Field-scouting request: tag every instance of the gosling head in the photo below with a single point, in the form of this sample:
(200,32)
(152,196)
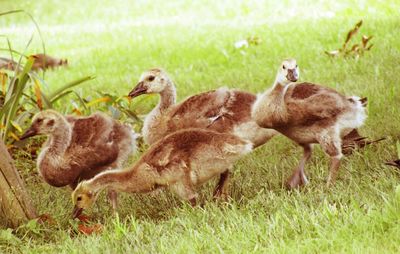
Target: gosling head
(288,72)
(44,122)
(82,198)
(151,81)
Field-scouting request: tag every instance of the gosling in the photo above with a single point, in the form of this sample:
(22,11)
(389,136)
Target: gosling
(308,113)
(179,162)
(78,148)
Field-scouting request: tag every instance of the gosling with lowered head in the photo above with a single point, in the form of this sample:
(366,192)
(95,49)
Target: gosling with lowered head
(180,162)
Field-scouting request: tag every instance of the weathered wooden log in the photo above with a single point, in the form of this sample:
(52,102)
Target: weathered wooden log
(15,203)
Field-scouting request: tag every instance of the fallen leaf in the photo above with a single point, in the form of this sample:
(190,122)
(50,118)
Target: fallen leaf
(88,230)
(84,218)
(46,218)
(332,53)
(354,140)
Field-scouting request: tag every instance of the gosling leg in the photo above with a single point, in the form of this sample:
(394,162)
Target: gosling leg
(331,143)
(112,197)
(334,169)
(298,177)
(220,191)
(184,189)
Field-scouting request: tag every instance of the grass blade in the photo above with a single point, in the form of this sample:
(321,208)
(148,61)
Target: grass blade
(19,85)
(56,93)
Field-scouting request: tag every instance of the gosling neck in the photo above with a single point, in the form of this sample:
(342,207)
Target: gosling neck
(167,97)
(60,139)
(279,89)
(121,180)
(279,85)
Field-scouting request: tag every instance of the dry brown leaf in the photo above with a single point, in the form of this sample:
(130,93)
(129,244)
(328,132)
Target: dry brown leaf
(84,218)
(355,48)
(365,39)
(352,32)
(46,218)
(38,93)
(332,53)
(88,230)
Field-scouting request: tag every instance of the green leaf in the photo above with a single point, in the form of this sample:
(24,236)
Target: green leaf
(62,89)
(7,237)
(19,85)
(6,106)
(65,93)
(10,12)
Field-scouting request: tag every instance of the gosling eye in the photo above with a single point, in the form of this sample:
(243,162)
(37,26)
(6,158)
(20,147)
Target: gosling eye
(79,198)
(50,122)
(151,78)
(283,67)
(296,65)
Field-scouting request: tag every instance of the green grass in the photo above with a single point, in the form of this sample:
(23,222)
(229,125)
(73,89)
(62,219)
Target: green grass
(117,40)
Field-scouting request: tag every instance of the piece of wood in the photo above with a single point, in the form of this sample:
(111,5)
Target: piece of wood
(15,204)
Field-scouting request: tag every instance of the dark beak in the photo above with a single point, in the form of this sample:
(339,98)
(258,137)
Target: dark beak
(76,212)
(138,90)
(395,163)
(29,133)
(292,75)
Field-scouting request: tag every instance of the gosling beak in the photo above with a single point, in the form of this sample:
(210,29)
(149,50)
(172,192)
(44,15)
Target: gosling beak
(395,163)
(292,75)
(76,212)
(138,90)
(29,133)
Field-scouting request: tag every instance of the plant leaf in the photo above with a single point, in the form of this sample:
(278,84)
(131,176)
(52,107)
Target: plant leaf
(10,12)
(16,126)
(68,86)
(365,39)
(4,78)
(19,85)
(332,53)
(99,100)
(13,135)
(352,32)
(7,237)
(355,48)
(38,93)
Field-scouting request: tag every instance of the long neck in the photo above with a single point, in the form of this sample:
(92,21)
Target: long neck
(270,109)
(167,97)
(123,180)
(278,86)
(60,139)
(278,91)
(153,123)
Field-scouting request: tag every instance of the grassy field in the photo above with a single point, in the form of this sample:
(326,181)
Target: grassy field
(194,42)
